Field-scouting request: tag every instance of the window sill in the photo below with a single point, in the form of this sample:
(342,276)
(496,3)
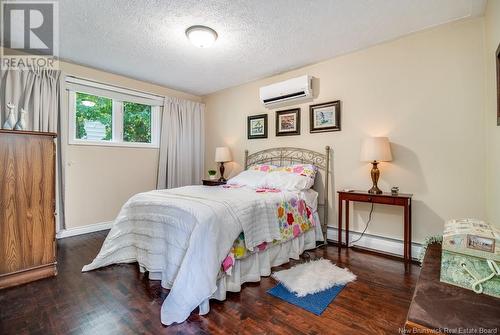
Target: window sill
(114,144)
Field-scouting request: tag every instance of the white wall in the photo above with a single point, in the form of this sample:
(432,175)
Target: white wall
(98,179)
(424,91)
(492,41)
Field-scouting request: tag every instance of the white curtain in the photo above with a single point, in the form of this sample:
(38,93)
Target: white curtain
(182,144)
(35,90)
(38,91)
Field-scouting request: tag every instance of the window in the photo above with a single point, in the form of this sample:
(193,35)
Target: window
(136,122)
(110,118)
(94,117)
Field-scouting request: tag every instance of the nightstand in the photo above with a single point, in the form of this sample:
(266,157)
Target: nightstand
(210,182)
(400,199)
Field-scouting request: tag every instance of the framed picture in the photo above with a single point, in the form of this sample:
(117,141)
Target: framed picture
(498,85)
(324,117)
(257,126)
(288,122)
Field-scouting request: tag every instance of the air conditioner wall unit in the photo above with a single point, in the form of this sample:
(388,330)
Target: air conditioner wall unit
(287,92)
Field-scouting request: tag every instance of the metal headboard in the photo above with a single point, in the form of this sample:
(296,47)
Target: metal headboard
(286,156)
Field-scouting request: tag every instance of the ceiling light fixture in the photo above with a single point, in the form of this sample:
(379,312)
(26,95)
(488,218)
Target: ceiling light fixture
(201,36)
(88,103)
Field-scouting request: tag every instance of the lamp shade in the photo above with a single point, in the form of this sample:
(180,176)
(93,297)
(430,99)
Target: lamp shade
(376,149)
(222,154)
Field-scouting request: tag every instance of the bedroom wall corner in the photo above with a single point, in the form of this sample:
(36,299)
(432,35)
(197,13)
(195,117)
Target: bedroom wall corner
(424,91)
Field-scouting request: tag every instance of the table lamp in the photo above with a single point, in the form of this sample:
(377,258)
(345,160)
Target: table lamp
(376,150)
(222,155)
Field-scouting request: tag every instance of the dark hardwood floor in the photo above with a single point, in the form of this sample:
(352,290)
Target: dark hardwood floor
(120,300)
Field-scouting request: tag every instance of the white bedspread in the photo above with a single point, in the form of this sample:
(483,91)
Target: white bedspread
(185,233)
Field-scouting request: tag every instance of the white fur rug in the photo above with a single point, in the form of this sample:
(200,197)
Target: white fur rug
(313,277)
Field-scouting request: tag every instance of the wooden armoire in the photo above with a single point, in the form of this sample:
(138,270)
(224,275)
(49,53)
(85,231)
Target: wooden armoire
(27,206)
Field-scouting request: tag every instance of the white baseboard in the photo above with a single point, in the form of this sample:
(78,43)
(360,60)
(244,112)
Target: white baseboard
(378,243)
(84,229)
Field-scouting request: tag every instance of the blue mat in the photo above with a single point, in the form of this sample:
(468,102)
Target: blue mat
(315,303)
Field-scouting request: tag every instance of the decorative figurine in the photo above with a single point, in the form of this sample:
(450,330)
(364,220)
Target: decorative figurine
(21,124)
(11,119)
(395,190)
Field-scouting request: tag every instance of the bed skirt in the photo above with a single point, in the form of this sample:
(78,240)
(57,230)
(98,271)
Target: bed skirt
(257,265)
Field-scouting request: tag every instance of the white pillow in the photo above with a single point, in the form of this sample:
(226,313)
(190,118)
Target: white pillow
(251,178)
(285,181)
(296,177)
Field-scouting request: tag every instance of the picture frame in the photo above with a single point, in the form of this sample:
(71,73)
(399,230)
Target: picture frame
(480,243)
(498,84)
(257,126)
(324,117)
(288,122)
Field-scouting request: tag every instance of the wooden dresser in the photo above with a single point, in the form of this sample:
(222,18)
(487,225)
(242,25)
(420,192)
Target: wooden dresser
(27,207)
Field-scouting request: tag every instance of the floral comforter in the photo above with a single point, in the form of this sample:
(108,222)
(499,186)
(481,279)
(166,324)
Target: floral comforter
(294,217)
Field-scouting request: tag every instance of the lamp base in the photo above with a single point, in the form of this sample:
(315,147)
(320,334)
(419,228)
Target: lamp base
(375,190)
(221,170)
(375,173)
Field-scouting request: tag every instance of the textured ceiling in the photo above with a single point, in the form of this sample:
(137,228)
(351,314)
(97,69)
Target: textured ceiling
(144,39)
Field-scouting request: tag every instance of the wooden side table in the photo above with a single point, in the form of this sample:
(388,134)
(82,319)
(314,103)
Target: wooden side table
(210,182)
(400,199)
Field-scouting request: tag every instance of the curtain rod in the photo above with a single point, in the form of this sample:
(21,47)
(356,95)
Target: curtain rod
(78,80)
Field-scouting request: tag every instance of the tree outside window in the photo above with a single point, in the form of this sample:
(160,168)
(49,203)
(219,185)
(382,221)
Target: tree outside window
(136,122)
(94,120)
(91,111)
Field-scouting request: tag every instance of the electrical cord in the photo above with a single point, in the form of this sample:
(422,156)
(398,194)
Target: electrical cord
(367,223)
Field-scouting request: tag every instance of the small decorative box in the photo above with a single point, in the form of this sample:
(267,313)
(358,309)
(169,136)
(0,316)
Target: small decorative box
(471,256)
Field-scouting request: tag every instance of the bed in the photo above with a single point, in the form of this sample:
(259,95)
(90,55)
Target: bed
(203,241)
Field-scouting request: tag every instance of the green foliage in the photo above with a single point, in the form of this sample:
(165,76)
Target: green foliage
(102,112)
(136,118)
(136,122)
(212,172)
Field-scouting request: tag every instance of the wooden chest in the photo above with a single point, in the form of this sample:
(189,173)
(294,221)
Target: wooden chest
(439,308)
